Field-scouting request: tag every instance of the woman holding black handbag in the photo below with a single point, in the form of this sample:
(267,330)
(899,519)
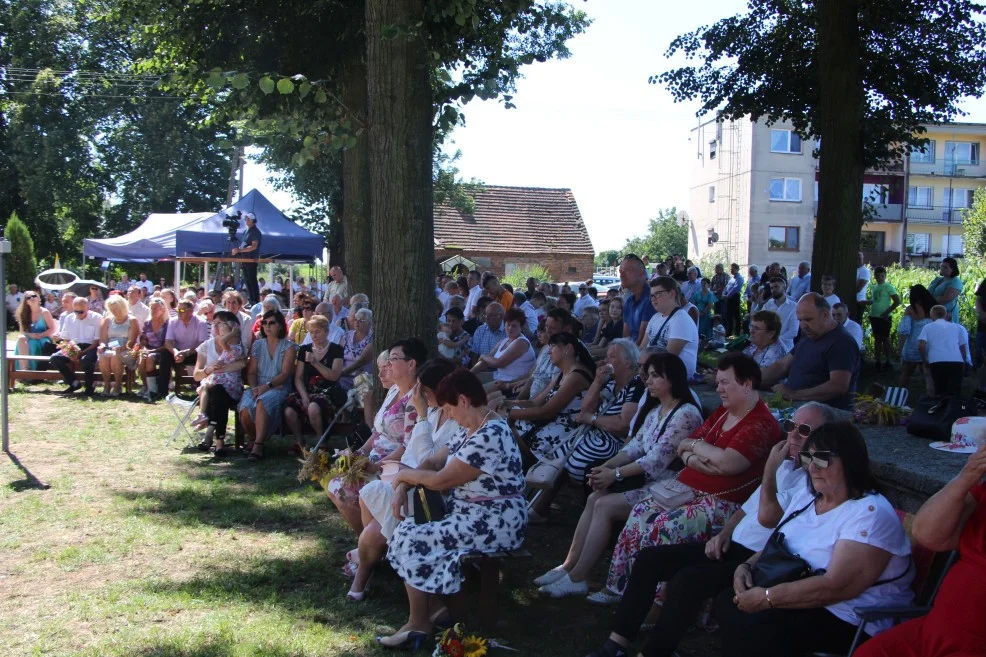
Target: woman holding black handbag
(667,417)
(840,546)
(484,511)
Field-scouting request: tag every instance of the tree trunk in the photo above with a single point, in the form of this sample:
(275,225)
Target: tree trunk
(356,226)
(400,131)
(841,162)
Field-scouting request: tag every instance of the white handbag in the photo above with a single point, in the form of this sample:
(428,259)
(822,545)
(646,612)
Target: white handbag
(545,473)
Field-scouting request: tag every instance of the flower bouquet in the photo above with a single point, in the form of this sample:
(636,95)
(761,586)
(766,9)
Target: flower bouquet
(454,642)
(362,384)
(871,410)
(317,465)
(69,349)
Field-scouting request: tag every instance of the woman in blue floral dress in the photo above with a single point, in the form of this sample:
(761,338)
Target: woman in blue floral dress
(485,508)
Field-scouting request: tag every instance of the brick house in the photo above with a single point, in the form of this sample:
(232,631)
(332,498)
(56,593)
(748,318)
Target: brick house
(514,227)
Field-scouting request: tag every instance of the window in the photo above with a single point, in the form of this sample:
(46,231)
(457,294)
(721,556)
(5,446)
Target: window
(785,141)
(876,194)
(961,152)
(572,270)
(918,242)
(873,240)
(920,197)
(952,245)
(712,193)
(785,238)
(927,157)
(785,189)
(958,198)
(713,147)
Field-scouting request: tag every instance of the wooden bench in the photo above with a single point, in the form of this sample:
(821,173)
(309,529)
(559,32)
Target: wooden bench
(485,567)
(14,374)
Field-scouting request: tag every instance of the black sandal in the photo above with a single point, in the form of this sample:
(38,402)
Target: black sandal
(254,456)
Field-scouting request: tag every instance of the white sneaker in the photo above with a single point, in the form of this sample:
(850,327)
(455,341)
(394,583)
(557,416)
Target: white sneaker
(604,597)
(564,586)
(551,576)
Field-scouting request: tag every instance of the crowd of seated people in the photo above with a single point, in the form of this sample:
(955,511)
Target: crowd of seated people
(605,383)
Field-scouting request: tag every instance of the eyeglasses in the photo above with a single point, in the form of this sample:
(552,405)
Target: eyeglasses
(270,322)
(312,308)
(391,359)
(80,312)
(658,293)
(820,459)
(804,430)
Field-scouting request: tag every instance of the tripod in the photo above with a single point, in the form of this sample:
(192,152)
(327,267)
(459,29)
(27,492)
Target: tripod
(221,266)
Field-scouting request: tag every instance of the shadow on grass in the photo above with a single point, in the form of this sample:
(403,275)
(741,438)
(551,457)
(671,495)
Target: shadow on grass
(215,648)
(29,482)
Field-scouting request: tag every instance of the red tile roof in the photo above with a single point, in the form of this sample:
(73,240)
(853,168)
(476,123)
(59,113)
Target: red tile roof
(515,220)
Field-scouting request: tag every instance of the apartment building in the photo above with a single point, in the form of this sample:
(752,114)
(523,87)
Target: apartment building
(754,194)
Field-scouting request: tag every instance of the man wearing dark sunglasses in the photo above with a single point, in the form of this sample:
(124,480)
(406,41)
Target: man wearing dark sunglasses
(694,573)
(82,328)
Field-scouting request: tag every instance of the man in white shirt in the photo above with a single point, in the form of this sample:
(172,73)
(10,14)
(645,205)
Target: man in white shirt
(14,298)
(338,309)
(862,282)
(475,291)
(782,304)
(530,313)
(338,285)
(671,329)
(137,307)
(144,284)
(801,283)
(82,328)
(587,297)
(840,313)
(944,352)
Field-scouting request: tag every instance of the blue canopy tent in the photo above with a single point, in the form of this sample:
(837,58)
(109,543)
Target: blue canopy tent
(201,237)
(283,240)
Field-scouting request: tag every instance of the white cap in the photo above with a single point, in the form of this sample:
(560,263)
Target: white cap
(251,216)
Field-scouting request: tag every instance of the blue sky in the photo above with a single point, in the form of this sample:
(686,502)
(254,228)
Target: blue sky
(593,124)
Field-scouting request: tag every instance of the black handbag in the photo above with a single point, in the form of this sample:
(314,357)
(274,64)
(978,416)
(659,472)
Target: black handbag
(932,417)
(777,564)
(428,505)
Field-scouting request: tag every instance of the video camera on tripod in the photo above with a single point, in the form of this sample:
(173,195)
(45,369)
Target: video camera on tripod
(232,222)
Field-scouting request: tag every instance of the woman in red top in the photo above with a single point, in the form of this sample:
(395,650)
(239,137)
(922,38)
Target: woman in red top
(724,459)
(955,518)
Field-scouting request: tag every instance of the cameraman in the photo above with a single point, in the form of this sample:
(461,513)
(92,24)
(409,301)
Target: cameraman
(251,249)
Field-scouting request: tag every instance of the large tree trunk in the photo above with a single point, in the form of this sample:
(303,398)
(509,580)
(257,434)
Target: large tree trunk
(840,117)
(356,227)
(399,95)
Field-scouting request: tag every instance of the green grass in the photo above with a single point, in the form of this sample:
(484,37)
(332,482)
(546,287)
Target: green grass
(114,544)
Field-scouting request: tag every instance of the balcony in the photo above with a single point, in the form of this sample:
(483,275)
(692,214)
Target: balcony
(936,215)
(949,168)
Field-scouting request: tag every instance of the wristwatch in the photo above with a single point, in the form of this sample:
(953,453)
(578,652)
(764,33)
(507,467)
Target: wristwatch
(619,475)
(593,420)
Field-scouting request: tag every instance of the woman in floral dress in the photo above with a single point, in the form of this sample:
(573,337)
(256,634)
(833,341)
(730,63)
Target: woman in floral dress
(667,417)
(724,460)
(386,443)
(485,508)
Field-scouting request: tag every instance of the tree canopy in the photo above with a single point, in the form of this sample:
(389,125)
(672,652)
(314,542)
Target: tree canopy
(665,236)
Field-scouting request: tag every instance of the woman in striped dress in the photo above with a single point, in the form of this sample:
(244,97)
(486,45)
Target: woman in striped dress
(607,408)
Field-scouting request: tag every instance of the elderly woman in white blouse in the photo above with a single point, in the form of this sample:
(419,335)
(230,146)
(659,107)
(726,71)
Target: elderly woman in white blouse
(431,433)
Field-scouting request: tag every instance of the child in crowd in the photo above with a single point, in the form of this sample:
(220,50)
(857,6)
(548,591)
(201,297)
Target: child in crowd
(453,341)
(828,290)
(718,340)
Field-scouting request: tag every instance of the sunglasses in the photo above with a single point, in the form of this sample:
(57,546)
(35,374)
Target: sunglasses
(80,312)
(271,322)
(820,459)
(182,311)
(804,430)
(312,308)
(28,297)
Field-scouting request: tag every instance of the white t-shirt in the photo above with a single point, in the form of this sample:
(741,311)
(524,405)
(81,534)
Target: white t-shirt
(208,349)
(856,331)
(141,312)
(833,299)
(870,520)
(13,301)
(789,319)
(964,339)
(942,340)
(862,274)
(749,532)
(679,327)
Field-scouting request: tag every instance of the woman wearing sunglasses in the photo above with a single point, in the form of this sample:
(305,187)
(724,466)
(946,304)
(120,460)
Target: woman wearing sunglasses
(37,326)
(849,535)
(95,299)
(269,374)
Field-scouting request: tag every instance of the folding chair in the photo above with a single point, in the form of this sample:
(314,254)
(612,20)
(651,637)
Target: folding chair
(182,410)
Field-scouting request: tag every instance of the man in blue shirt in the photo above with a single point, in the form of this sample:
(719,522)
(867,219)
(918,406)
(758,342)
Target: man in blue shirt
(800,284)
(733,319)
(637,308)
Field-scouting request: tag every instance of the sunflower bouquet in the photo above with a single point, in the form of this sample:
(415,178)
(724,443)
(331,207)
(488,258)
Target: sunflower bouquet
(316,466)
(69,349)
(350,467)
(454,642)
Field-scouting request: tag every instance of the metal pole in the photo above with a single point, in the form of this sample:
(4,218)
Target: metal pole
(903,210)
(4,250)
